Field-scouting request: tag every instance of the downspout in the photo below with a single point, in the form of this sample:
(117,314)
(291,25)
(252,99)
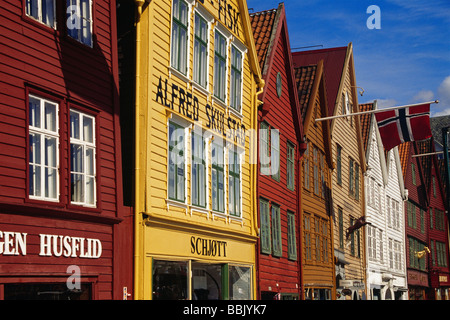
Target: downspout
(137,169)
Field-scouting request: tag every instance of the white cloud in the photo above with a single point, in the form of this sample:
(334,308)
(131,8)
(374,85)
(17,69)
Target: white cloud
(386,103)
(444,91)
(423,96)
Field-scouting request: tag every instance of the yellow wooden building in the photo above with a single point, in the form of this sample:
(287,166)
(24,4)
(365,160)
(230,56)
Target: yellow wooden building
(197,80)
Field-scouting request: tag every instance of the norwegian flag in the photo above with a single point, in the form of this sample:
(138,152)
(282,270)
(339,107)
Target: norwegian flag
(402,125)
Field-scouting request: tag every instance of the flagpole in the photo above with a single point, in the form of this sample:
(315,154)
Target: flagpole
(375,111)
(426,154)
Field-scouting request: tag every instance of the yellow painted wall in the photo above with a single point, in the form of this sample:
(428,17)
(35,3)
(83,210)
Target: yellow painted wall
(163,226)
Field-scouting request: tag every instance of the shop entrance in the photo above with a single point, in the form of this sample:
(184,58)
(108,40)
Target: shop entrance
(208,281)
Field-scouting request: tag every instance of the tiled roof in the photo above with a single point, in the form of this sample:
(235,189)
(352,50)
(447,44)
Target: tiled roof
(333,64)
(262,25)
(365,120)
(304,76)
(403,151)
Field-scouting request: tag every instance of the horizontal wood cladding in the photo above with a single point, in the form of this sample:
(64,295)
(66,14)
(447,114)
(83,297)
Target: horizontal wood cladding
(47,62)
(33,264)
(280,274)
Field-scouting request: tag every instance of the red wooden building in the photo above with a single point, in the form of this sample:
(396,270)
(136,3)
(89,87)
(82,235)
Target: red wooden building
(426,224)
(280,149)
(436,225)
(64,232)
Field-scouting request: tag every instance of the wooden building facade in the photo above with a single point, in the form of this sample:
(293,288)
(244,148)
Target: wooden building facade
(349,163)
(64,232)
(280,148)
(197,79)
(318,279)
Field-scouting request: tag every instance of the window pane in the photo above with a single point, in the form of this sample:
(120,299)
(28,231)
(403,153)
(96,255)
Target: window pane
(77,187)
(48,11)
(90,190)
(240,283)
(171,175)
(76,160)
(35,112)
(175,49)
(51,183)
(32,8)
(74,125)
(50,116)
(170,281)
(183,48)
(88,130)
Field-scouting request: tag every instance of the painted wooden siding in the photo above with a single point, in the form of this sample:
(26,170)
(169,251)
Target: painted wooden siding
(345,133)
(40,60)
(281,270)
(316,274)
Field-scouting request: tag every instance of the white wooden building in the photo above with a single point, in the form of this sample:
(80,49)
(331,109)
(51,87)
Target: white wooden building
(384,200)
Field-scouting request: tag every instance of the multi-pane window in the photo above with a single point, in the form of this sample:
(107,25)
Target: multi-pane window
(355,244)
(276,231)
(79,20)
(307,232)
(306,167)
(176,162)
(316,170)
(200,50)
(82,158)
(341,228)
(264,215)
(395,255)
(441,254)
(322,174)
(413,173)
(351,186)
(43,156)
(416,246)
(411,215)
(217,177)
(236,79)
(357,182)
(440,219)
(42,10)
(198,168)
(220,61)
(264,148)
(275,153)
(178,58)
(292,242)
(422,221)
(339,164)
(234,184)
(290,166)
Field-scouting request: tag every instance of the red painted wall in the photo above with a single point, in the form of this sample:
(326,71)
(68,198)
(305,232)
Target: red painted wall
(279,274)
(38,59)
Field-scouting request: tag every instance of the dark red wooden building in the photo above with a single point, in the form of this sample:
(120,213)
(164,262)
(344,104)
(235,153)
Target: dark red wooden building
(64,232)
(280,148)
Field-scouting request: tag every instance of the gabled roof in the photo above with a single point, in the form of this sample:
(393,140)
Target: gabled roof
(333,62)
(270,27)
(305,77)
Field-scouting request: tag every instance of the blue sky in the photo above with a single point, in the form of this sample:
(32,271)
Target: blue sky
(406,61)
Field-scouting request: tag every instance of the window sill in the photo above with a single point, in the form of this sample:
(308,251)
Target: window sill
(178,74)
(235,113)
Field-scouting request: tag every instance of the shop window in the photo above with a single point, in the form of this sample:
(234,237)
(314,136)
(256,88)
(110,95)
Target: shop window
(46,291)
(44,154)
(234,184)
(198,168)
(206,281)
(79,23)
(42,10)
(179,50)
(240,282)
(82,159)
(217,177)
(170,280)
(176,162)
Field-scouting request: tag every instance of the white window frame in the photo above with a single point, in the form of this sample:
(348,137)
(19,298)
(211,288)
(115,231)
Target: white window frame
(205,15)
(79,17)
(240,155)
(44,133)
(173,69)
(184,126)
(192,163)
(40,17)
(85,145)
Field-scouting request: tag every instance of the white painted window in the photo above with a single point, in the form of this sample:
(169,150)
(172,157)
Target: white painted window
(79,20)
(44,153)
(42,10)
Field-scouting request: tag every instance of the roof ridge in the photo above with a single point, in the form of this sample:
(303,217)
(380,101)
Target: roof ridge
(263,11)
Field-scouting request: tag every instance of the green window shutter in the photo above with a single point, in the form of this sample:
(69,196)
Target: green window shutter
(266,245)
(276,231)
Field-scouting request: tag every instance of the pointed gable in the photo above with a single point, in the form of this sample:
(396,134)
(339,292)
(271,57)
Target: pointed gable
(305,77)
(366,120)
(333,62)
